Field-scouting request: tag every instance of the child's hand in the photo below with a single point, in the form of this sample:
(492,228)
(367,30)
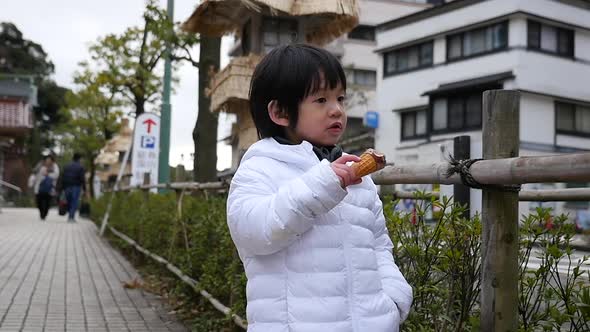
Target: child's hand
(346,173)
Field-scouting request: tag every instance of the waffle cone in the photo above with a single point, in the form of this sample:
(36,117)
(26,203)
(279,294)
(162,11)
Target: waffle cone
(371,161)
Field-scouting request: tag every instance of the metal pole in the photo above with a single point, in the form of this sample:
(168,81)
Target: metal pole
(163,168)
(499,276)
(462,151)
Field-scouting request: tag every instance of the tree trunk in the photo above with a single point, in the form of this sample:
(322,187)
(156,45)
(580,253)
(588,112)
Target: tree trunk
(205,132)
(34,144)
(89,158)
(139,106)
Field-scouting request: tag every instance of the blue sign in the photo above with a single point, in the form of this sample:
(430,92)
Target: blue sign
(148,142)
(372,119)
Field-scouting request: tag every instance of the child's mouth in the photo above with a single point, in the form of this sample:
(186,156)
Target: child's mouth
(335,128)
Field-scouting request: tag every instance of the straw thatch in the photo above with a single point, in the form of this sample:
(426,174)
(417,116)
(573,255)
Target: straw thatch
(231,85)
(107,158)
(330,18)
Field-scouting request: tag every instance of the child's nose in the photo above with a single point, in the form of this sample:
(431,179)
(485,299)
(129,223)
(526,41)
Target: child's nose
(336,110)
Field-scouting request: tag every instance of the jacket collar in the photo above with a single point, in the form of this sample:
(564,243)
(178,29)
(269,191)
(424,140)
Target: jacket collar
(322,152)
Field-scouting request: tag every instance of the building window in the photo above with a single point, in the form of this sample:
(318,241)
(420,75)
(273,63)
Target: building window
(362,32)
(278,31)
(572,119)
(547,38)
(408,58)
(361,77)
(455,113)
(413,124)
(478,41)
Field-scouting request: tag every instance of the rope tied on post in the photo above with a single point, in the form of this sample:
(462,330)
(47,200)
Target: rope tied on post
(462,167)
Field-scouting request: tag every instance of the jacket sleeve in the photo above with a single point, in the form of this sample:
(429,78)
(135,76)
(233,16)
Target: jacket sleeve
(263,220)
(394,283)
(55,173)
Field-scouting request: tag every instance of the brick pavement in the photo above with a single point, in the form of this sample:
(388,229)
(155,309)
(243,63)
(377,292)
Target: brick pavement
(56,276)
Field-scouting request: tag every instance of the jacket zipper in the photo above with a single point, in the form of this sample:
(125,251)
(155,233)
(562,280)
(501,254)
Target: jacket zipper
(347,249)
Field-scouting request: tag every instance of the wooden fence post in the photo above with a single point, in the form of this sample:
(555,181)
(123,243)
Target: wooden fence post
(461,193)
(499,286)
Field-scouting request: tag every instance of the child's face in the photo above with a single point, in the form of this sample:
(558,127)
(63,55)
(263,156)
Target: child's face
(322,119)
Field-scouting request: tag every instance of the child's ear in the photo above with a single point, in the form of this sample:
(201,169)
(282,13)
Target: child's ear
(276,114)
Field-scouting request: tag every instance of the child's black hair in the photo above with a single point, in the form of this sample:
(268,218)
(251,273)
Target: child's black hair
(288,74)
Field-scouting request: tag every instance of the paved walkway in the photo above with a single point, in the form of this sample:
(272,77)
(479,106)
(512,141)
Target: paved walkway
(56,276)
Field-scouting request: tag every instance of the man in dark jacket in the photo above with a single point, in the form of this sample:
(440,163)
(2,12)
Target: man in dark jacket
(73,183)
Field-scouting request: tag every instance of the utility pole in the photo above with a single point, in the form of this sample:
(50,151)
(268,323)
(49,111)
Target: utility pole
(163,168)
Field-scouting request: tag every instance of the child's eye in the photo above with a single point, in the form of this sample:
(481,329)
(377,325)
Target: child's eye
(321,100)
(342,99)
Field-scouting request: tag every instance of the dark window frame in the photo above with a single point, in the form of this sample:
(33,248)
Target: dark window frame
(574,132)
(486,52)
(360,30)
(398,51)
(279,20)
(404,137)
(354,72)
(558,35)
(464,95)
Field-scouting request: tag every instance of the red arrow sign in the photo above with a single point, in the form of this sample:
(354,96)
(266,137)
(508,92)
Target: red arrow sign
(150,123)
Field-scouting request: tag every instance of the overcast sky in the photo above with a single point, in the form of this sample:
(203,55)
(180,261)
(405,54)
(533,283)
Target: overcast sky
(65,29)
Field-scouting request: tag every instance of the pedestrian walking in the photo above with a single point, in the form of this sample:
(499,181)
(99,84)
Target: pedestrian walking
(44,185)
(73,183)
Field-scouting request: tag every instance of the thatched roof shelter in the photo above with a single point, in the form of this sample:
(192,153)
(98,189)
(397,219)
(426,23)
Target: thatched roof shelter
(328,19)
(231,84)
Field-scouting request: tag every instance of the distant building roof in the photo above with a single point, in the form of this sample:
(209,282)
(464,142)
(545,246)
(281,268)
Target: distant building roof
(470,83)
(427,13)
(454,5)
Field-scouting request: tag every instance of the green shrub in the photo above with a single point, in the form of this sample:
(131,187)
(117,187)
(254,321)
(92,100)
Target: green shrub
(439,258)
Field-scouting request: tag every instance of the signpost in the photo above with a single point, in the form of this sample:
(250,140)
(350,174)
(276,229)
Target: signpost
(371,119)
(146,149)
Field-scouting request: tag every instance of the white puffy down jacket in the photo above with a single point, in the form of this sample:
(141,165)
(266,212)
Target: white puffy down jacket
(317,257)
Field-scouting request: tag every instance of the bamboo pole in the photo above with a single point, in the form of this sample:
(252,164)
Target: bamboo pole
(553,195)
(558,195)
(573,167)
(178,186)
(188,280)
(499,286)
(105,218)
(427,195)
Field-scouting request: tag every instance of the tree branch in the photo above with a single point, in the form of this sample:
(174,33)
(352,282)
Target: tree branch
(143,41)
(185,58)
(154,62)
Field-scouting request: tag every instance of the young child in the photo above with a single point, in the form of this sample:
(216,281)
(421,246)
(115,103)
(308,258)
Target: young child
(310,233)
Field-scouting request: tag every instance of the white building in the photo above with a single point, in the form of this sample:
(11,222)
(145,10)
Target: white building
(435,64)
(356,51)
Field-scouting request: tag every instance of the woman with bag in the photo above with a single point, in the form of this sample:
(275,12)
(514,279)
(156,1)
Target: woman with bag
(45,182)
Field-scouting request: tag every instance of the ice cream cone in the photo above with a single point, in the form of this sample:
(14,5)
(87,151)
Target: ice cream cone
(371,161)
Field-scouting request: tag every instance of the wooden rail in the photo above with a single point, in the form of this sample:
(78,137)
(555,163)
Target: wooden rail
(555,195)
(190,186)
(188,280)
(573,167)
(552,195)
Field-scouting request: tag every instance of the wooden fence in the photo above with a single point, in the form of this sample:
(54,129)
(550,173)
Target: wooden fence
(501,167)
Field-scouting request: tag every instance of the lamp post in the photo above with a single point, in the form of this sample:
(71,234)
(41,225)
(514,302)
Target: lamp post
(163,168)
